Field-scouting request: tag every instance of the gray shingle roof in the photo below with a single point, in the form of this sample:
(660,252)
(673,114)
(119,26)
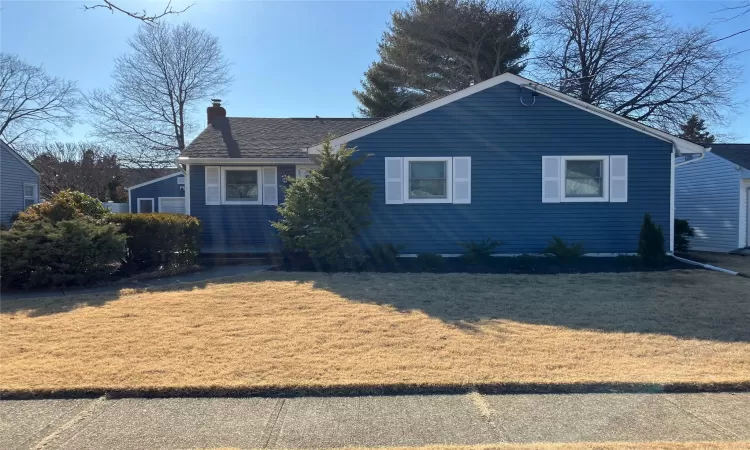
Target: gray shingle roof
(250,137)
(736,153)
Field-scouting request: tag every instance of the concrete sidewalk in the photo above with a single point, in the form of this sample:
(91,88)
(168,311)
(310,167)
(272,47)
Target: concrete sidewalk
(207,274)
(324,422)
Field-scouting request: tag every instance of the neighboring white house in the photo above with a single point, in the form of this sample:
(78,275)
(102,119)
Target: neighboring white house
(19,183)
(713,195)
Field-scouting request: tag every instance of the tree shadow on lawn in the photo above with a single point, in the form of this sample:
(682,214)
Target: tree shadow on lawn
(684,304)
(687,304)
(73,299)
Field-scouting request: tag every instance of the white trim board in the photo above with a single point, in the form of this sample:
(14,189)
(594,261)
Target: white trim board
(179,172)
(245,161)
(681,145)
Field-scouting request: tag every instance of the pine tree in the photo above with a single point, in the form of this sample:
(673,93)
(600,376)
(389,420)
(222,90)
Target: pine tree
(694,130)
(437,47)
(383,94)
(323,213)
(651,242)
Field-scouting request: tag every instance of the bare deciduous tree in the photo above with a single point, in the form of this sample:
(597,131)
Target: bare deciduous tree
(147,113)
(623,56)
(32,102)
(80,166)
(143,16)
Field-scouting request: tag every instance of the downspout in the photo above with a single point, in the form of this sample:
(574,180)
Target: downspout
(184,171)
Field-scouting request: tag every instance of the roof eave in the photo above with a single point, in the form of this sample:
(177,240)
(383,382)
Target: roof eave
(681,146)
(146,183)
(239,161)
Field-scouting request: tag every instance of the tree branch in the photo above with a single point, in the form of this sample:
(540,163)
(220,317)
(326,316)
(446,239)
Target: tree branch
(142,16)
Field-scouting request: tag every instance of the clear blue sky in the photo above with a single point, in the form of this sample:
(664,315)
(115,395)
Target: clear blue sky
(291,59)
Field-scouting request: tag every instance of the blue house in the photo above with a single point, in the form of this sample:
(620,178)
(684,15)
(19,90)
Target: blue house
(164,194)
(507,159)
(713,193)
(19,183)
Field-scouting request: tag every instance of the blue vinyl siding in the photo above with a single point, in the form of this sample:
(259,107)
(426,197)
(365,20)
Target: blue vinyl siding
(707,194)
(164,188)
(235,228)
(13,175)
(506,142)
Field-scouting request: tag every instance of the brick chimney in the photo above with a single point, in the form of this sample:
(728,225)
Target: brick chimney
(215,110)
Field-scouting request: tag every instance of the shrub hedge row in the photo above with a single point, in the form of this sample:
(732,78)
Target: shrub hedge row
(72,239)
(67,252)
(158,239)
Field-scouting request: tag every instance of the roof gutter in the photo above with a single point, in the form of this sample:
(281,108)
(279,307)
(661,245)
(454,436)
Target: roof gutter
(179,165)
(242,161)
(703,155)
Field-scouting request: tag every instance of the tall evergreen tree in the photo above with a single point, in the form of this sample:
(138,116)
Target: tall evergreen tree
(322,213)
(436,47)
(694,130)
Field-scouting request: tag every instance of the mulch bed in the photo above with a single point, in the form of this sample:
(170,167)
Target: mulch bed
(501,265)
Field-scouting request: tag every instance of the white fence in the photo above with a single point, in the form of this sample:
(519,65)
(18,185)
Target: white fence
(116,207)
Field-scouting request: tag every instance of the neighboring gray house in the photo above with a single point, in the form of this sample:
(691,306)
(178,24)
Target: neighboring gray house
(712,194)
(19,183)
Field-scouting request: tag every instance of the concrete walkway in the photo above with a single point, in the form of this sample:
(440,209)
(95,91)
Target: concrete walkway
(206,274)
(324,422)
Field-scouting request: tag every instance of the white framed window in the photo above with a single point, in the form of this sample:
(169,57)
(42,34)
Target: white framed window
(428,180)
(30,194)
(173,205)
(585,179)
(304,171)
(241,186)
(145,205)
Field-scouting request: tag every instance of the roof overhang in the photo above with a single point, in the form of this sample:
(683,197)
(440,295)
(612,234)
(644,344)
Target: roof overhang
(681,146)
(155,180)
(243,161)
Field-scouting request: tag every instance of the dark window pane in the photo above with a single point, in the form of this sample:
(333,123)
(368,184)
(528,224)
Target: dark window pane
(241,185)
(590,169)
(583,179)
(147,206)
(427,179)
(427,169)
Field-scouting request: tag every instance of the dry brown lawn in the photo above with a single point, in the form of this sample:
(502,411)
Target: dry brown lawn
(280,330)
(592,446)
(738,263)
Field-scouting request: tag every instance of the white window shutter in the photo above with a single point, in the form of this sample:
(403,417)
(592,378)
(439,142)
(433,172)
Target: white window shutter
(618,178)
(213,185)
(462,179)
(394,181)
(551,179)
(270,188)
